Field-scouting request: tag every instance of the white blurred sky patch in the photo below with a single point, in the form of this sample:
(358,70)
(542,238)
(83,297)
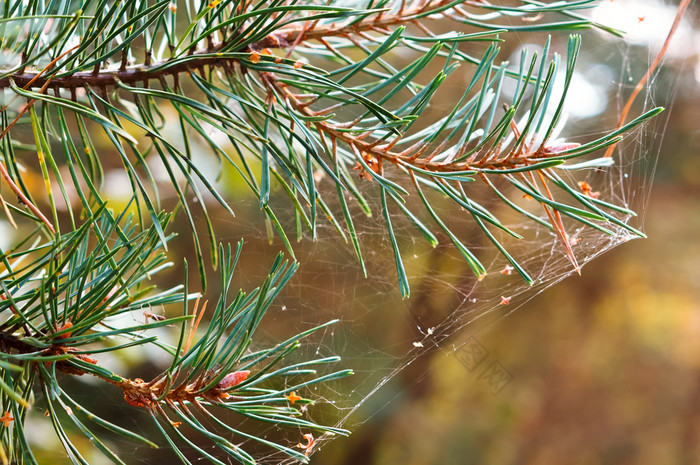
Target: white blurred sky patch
(647,23)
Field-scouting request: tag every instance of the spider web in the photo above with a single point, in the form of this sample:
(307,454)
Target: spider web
(381,336)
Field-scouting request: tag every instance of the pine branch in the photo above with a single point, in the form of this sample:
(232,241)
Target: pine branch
(235,47)
(65,323)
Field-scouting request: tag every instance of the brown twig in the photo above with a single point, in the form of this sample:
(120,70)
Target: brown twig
(623,116)
(101,78)
(381,152)
(137,392)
